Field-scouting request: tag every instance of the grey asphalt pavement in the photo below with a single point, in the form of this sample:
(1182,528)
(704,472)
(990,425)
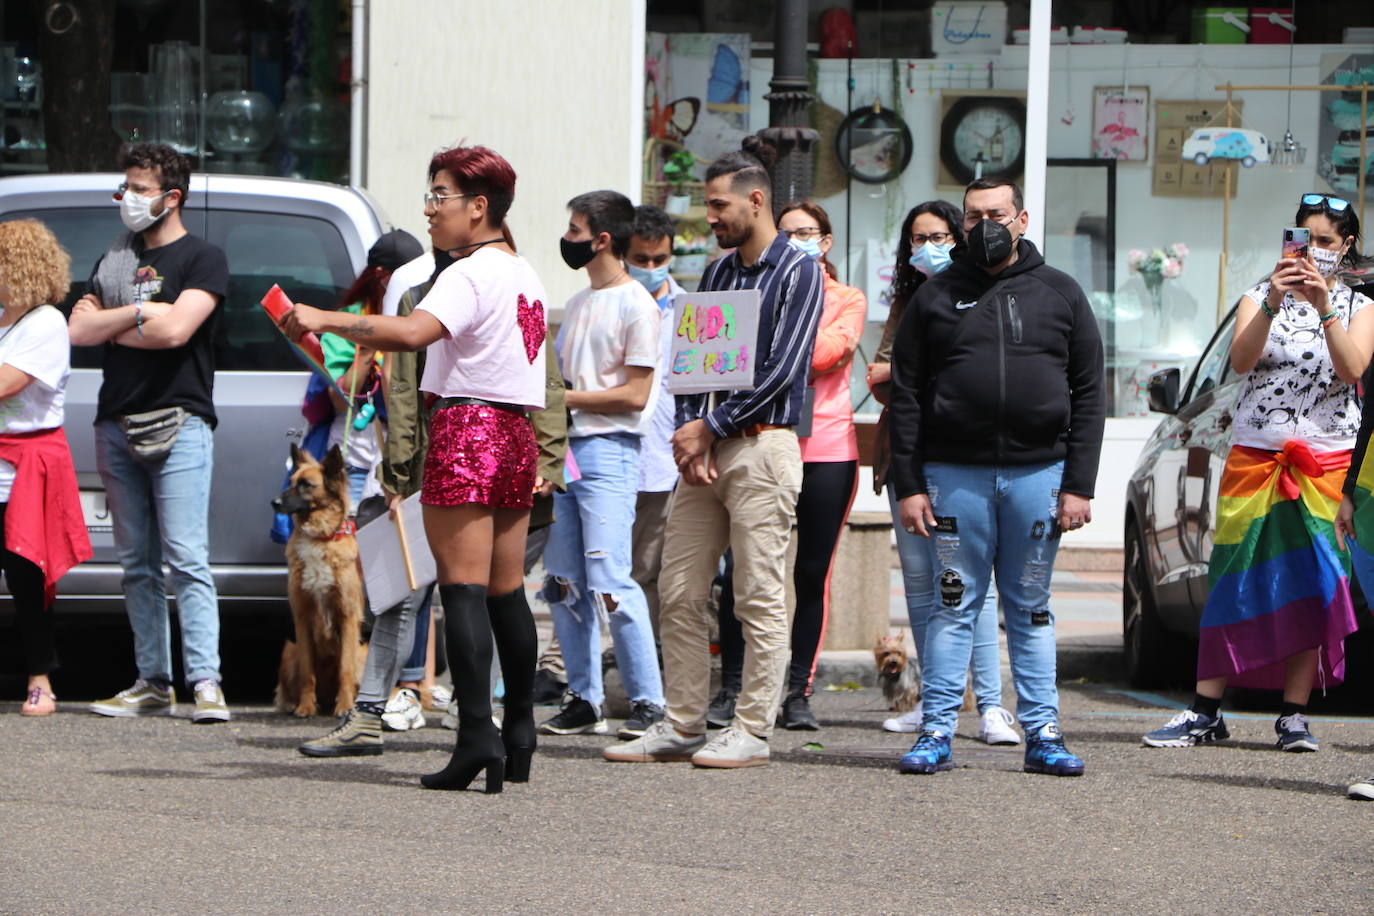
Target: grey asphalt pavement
(160,816)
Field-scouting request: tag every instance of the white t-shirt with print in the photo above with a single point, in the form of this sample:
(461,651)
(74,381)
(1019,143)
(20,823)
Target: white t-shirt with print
(36,344)
(1293,392)
(603,331)
(479,301)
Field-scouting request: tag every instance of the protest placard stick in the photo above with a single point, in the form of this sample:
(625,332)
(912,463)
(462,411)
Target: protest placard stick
(396,515)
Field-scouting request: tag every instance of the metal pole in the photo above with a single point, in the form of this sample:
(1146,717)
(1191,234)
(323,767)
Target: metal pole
(1037,118)
(358,97)
(1364,143)
(1222,305)
(787,99)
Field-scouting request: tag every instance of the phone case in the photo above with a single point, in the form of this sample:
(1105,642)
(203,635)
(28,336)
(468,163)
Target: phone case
(1295,243)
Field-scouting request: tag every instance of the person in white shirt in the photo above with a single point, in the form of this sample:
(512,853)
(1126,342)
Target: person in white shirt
(609,350)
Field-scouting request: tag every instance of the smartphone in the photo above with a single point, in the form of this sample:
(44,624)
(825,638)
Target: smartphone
(1295,243)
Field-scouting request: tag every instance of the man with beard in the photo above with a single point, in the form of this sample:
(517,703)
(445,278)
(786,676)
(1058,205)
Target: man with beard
(741,468)
(997,416)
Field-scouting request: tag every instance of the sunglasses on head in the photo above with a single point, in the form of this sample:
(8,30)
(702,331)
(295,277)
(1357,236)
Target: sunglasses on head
(1334,204)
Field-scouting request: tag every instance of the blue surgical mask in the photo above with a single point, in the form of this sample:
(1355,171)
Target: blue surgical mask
(652,278)
(930,259)
(811,247)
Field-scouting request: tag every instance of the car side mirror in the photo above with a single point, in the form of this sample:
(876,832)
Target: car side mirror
(1163,391)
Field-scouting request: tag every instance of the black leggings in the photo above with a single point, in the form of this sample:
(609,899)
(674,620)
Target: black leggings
(827,492)
(25,582)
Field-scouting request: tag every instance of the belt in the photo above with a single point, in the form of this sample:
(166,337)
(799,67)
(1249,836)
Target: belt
(441,403)
(754,429)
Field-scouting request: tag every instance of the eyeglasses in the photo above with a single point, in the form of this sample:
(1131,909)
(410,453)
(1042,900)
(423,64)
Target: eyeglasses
(1334,204)
(125,188)
(437,200)
(804,234)
(939,238)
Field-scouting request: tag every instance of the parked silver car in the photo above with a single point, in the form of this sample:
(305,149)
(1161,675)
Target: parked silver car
(309,237)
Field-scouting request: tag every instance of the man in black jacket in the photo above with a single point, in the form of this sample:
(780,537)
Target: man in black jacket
(997,414)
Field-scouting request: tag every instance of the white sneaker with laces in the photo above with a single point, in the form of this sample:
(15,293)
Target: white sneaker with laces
(997,727)
(906,722)
(403,711)
(439,698)
(660,743)
(734,747)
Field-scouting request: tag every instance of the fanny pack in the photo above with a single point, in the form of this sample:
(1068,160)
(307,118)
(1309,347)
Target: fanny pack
(152,434)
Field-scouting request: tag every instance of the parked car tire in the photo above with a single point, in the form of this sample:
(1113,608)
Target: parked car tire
(1145,642)
(1200,159)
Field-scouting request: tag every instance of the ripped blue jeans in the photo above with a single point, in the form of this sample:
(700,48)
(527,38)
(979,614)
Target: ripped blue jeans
(589,559)
(992,521)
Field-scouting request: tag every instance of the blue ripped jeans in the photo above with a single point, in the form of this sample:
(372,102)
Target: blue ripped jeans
(589,557)
(993,521)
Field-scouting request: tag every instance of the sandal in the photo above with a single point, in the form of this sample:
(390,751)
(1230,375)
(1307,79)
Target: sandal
(40,702)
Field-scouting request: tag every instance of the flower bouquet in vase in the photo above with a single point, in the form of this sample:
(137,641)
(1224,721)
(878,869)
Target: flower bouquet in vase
(1155,266)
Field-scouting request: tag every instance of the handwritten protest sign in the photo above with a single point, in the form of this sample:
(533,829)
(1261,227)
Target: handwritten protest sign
(715,341)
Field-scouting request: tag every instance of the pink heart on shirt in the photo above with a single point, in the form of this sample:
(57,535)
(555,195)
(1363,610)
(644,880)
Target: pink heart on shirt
(531,318)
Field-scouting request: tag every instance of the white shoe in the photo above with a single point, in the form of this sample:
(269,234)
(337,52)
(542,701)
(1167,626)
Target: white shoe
(733,747)
(450,719)
(996,727)
(403,711)
(660,743)
(906,722)
(439,698)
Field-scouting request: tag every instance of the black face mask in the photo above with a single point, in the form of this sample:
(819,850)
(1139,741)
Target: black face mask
(989,243)
(576,255)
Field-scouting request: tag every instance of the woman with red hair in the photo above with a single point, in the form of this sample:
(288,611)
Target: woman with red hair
(483,325)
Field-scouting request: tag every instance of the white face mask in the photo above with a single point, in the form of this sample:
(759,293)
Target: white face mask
(137,211)
(1325,259)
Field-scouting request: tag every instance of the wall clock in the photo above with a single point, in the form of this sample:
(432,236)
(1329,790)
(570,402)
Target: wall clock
(873,144)
(982,134)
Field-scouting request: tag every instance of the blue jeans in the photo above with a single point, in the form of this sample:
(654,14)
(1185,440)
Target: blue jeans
(160,511)
(588,559)
(996,521)
(918,581)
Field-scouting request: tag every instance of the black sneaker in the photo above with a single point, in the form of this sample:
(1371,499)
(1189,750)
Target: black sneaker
(577,717)
(642,715)
(548,690)
(1293,733)
(721,712)
(797,715)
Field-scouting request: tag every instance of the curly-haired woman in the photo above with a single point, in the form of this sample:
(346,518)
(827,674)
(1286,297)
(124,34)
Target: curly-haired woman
(44,533)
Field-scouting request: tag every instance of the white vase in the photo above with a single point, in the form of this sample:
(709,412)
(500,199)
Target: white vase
(677,204)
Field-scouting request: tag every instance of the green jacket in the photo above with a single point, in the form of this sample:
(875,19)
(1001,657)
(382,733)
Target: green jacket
(407,425)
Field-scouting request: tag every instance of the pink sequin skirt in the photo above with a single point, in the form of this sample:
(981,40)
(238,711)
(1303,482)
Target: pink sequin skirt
(479,454)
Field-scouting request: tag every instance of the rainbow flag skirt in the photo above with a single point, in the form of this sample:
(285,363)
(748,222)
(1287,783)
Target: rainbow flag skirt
(1278,585)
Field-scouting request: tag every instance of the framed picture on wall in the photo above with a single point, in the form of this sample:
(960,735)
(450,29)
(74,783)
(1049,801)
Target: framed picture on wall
(1121,123)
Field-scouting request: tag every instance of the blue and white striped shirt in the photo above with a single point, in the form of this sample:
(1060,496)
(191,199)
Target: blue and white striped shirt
(791,293)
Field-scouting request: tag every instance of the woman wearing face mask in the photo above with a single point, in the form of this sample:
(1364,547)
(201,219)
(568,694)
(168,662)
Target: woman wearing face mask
(830,469)
(1279,608)
(933,230)
(42,533)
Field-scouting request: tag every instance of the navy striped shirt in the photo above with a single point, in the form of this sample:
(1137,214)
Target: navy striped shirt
(791,293)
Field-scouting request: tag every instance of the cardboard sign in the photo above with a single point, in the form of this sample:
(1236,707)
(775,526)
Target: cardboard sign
(379,545)
(715,341)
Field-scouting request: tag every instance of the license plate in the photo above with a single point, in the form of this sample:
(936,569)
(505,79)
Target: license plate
(96,512)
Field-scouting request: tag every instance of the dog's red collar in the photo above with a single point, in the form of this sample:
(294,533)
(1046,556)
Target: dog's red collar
(346,530)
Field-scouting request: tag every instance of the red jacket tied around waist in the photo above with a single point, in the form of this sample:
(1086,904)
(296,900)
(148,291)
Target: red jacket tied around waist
(43,521)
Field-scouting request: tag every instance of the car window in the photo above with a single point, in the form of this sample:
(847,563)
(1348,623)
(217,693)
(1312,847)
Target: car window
(1215,364)
(303,255)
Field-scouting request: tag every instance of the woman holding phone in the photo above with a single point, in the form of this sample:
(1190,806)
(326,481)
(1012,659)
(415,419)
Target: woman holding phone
(1278,608)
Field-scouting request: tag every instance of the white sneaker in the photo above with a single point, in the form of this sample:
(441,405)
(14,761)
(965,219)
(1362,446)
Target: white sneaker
(996,727)
(733,747)
(450,719)
(660,743)
(439,698)
(906,722)
(403,711)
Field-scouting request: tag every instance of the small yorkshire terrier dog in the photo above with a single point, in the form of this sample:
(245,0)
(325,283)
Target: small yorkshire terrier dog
(901,686)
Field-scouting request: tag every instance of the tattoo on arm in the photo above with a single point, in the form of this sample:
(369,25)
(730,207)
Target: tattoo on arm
(360,328)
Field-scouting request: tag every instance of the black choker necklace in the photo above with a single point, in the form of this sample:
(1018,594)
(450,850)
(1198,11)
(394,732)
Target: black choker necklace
(450,251)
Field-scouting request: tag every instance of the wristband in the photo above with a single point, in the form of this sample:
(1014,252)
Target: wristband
(1329,317)
(138,318)
(1264,307)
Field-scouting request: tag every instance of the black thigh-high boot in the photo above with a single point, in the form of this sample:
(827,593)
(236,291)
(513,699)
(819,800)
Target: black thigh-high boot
(467,631)
(517,644)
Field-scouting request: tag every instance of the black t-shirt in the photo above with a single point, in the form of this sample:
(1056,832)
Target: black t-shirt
(139,380)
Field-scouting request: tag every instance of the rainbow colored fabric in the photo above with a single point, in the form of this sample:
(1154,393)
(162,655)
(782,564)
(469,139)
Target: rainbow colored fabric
(1278,583)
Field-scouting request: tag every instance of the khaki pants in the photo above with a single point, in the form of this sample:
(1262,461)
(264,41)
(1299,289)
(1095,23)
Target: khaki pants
(651,519)
(750,507)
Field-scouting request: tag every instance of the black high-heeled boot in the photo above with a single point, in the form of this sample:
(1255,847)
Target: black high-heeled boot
(467,631)
(517,644)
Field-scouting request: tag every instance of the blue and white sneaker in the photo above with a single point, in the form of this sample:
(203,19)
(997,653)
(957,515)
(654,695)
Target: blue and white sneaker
(1294,735)
(930,754)
(1187,729)
(1046,753)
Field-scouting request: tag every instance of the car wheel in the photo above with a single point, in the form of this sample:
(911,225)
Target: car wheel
(1200,159)
(1248,161)
(1144,639)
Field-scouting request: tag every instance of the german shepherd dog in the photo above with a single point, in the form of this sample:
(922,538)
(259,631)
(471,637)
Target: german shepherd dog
(324,587)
